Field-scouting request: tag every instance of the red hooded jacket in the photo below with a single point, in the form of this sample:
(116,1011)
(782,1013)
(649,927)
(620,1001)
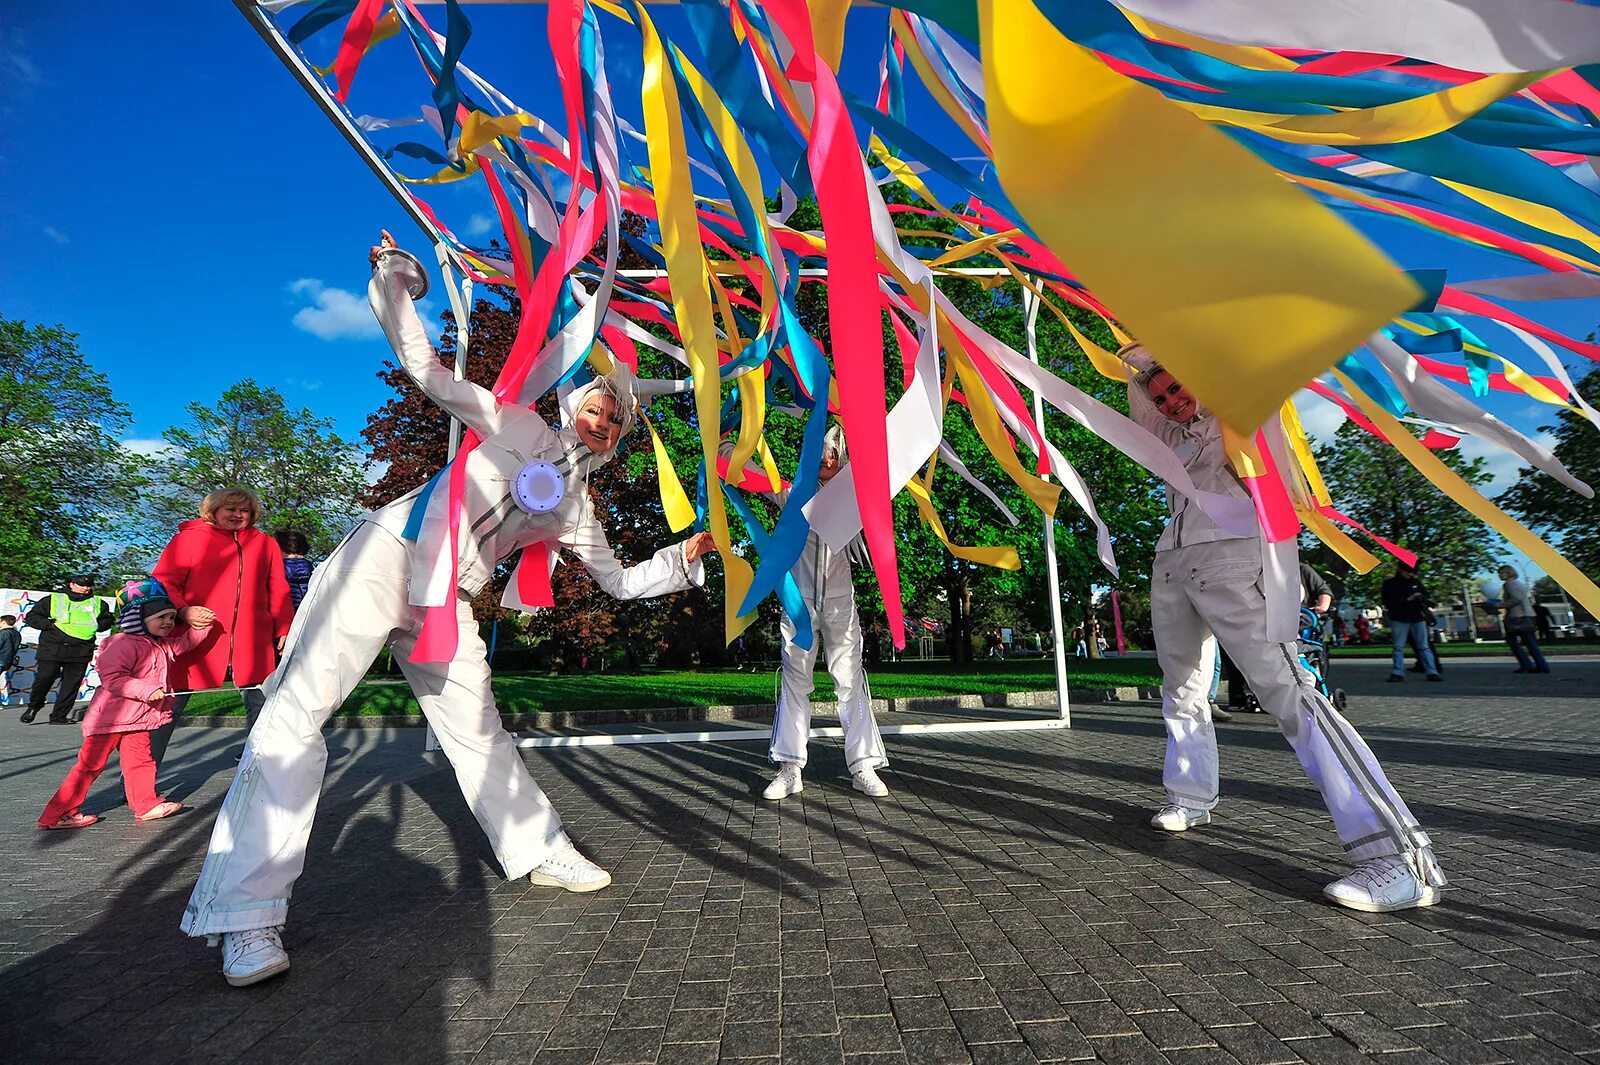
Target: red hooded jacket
(239,577)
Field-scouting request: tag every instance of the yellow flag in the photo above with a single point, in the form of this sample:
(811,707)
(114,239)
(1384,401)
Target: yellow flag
(1241,284)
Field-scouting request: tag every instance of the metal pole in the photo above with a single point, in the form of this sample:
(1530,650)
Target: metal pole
(290,57)
(1030,303)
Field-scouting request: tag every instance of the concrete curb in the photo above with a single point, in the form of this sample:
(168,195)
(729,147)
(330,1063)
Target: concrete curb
(1033,700)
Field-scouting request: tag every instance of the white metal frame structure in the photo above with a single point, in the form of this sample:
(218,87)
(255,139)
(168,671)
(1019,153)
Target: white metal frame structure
(460,296)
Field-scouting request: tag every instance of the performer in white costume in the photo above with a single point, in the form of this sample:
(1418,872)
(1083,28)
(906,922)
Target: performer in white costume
(824,579)
(1208,580)
(525,484)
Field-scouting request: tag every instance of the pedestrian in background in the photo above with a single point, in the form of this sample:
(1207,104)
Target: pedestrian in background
(1406,601)
(68,624)
(220,567)
(296,567)
(10,649)
(1520,622)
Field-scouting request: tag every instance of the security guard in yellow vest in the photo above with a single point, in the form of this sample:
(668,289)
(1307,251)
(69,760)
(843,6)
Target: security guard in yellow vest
(68,623)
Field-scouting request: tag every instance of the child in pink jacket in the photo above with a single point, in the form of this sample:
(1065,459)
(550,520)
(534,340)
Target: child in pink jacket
(133,701)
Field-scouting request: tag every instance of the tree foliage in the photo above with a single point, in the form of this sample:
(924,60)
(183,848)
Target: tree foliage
(66,483)
(308,477)
(1373,483)
(1548,506)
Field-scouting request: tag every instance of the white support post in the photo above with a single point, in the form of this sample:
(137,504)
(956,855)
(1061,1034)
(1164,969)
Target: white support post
(1030,301)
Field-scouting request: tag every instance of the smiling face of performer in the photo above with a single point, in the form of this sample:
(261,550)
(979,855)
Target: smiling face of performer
(1174,401)
(599,422)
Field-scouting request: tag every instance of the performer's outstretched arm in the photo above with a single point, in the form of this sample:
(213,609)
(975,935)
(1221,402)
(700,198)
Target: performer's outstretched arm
(674,568)
(389,294)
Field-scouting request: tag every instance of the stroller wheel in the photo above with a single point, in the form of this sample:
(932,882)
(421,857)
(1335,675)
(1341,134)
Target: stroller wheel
(1340,700)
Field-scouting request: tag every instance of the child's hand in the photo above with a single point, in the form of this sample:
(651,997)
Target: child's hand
(196,617)
(156,697)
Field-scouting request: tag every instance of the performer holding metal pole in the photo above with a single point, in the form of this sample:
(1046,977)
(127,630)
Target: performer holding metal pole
(1208,580)
(525,485)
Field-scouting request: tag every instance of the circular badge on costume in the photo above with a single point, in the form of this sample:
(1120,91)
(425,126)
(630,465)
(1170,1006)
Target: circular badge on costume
(538,488)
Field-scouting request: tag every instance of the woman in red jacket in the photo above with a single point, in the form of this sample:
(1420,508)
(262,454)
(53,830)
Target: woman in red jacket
(221,567)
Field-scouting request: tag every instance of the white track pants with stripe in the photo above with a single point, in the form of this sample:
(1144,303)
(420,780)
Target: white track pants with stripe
(838,630)
(1217,588)
(355,605)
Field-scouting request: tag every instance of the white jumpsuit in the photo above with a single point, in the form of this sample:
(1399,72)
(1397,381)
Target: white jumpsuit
(359,602)
(1207,580)
(823,575)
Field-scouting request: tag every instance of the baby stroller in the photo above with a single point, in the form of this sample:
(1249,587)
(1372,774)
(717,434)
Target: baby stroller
(1313,646)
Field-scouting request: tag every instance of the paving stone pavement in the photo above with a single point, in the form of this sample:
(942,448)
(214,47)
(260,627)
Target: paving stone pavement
(1006,904)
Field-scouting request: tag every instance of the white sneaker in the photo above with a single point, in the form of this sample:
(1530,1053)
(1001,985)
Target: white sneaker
(868,782)
(1174,818)
(252,956)
(1381,885)
(785,782)
(566,868)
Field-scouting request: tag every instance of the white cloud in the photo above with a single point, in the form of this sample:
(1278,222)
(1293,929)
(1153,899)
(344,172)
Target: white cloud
(56,235)
(480,225)
(334,314)
(1321,417)
(14,62)
(145,445)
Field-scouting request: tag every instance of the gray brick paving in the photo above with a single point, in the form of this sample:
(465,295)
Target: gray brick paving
(1006,904)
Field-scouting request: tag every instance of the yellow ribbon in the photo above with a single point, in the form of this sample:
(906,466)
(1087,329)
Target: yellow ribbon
(674,500)
(691,299)
(1403,120)
(1205,279)
(999,557)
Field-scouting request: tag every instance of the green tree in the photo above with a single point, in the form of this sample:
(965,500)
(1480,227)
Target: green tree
(308,477)
(1548,506)
(66,483)
(1373,483)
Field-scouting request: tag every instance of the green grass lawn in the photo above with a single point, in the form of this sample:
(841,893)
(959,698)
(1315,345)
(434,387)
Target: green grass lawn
(534,692)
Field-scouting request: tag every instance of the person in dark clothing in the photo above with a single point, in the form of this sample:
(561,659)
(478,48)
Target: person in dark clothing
(10,648)
(68,623)
(296,567)
(1406,602)
(1315,592)
(1543,621)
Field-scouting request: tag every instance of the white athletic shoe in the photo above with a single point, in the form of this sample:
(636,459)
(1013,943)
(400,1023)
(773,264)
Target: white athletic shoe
(1381,885)
(1175,818)
(785,782)
(868,782)
(566,868)
(252,956)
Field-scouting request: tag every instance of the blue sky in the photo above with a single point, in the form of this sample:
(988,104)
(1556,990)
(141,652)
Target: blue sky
(172,195)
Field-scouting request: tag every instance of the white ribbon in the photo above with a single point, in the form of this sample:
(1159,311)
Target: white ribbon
(1488,36)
